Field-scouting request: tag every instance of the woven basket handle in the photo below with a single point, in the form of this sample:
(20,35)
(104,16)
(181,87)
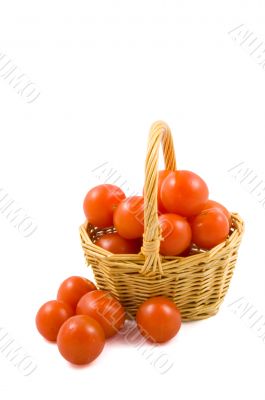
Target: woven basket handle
(159,134)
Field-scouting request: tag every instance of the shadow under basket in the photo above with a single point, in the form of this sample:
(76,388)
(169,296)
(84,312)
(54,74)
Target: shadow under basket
(196,283)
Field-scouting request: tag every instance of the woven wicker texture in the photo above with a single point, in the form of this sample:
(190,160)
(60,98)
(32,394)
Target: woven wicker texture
(197,283)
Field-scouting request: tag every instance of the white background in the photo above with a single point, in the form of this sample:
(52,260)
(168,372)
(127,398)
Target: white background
(106,70)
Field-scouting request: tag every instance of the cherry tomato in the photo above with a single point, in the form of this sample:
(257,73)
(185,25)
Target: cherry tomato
(158,319)
(105,309)
(209,228)
(186,252)
(161,178)
(184,193)
(73,288)
(81,339)
(176,234)
(116,244)
(129,217)
(100,204)
(214,204)
(50,318)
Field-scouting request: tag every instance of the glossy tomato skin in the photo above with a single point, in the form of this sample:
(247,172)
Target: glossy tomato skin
(81,339)
(73,288)
(214,204)
(158,319)
(105,309)
(50,318)
(161,178)
(129,217)
(100,204)
(116,244)
(176,234)
(209,228)
(186,252)
(184,193)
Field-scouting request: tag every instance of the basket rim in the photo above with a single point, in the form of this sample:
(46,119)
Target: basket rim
(239,227)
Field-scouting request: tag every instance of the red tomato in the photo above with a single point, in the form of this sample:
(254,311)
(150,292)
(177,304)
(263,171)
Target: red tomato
(161,178)
(73,288)
(50,318)
(176,234)
(116,244)
(81,339)
(209,228)
(214,204)
(184,193)
(105,309)
(186,252)
(129,217)
(158,319)
(100,204)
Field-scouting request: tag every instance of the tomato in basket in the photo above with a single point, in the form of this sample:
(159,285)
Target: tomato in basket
(184,193)
(214,204)
(129,217)
(116,244)
(100,204)
(209,228)
(176,234)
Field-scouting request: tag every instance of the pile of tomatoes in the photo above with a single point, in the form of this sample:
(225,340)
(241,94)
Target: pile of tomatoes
(82,318)
(186,216)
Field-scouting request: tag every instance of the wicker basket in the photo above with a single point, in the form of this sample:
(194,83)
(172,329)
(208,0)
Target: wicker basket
(197,283)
